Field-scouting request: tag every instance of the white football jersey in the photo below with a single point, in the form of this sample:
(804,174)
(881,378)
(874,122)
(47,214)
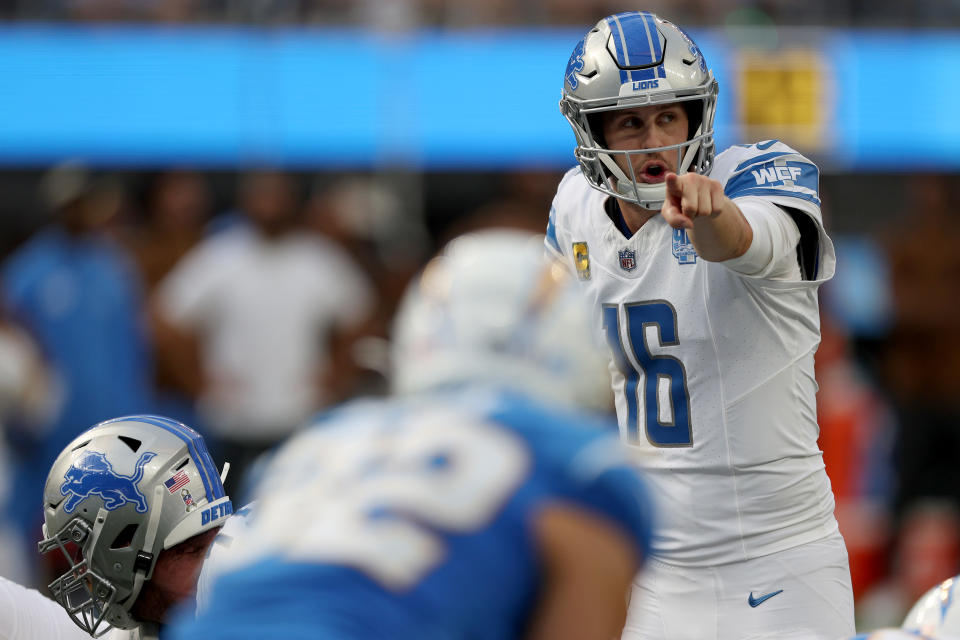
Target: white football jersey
(713,370)
(221,550)
(27,614)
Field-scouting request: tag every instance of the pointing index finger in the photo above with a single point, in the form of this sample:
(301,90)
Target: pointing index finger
(674,188)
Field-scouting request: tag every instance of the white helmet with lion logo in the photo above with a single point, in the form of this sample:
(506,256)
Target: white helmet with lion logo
(117,496)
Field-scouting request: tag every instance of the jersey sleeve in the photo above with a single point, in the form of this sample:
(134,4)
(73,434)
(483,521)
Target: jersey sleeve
(26,614)
(580,461)
(773,251)
(778,174)
(603,479)
(347,295)
(186,294)
(557,238)
(550,240)
(220,553)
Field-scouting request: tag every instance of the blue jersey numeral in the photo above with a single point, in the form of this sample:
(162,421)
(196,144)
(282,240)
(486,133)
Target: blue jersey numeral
(675,431)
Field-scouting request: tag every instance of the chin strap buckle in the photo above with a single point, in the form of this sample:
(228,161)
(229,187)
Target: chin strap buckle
(143,562)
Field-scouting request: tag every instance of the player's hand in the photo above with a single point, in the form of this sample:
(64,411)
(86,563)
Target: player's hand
(689,197)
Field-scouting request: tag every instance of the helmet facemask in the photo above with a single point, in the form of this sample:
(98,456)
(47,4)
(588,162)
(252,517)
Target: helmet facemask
(105,576)
(599,163)
(87,597)
(630,60)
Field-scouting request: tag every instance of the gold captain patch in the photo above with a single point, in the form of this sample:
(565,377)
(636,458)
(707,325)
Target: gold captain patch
(581,259)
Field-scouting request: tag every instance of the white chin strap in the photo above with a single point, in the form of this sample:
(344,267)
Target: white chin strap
(139,577)
(648,195)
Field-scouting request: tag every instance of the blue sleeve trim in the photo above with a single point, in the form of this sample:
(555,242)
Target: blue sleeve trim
(764,158)
(771,179)
(769,191)
(552,231)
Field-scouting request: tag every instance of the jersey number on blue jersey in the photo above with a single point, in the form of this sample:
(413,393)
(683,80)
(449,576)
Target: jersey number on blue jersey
(382,502)
(664,395)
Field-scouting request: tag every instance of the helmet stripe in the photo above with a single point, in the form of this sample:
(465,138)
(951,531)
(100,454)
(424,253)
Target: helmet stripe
(637,42)
(196,448)
(653,38)
(654,35)
(617,31)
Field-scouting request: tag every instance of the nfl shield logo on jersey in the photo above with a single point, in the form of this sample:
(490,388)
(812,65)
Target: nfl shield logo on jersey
(628,259)
(683,249)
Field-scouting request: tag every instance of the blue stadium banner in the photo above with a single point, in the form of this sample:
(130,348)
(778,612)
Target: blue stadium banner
(143,96)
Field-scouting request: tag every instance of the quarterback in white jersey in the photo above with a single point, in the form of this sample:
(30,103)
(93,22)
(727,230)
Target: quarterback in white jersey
(703,272)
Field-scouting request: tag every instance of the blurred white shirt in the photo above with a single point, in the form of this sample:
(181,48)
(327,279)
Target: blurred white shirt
(263,309)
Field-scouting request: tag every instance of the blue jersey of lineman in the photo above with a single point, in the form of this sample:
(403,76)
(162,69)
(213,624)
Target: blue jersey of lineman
(413,519)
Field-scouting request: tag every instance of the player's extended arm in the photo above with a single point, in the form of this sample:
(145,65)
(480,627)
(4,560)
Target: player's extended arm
(589,565)
(716,226)
(26,614)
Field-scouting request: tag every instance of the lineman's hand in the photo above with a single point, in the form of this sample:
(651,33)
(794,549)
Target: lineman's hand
(691,196)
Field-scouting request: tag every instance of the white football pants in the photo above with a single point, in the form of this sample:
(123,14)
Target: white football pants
(803,592)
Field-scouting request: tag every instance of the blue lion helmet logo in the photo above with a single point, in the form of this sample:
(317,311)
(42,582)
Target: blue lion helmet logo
(574,65)
(92,474)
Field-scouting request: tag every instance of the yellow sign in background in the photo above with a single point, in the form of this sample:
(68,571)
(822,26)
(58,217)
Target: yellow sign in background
(785,95)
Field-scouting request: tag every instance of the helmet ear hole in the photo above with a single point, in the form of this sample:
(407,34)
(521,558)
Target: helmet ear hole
(133,443)
(125,537)
(694,111)
(595,122)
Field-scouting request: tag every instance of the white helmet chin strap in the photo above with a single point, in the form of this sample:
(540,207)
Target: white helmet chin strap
(652,195)
(139,577)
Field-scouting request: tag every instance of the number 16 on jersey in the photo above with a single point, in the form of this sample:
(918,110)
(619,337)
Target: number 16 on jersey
(663,395)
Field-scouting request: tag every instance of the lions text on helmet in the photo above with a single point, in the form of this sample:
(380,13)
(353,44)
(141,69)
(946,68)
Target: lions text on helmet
(643,64)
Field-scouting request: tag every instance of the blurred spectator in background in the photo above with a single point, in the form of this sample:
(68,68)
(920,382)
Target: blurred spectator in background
(176,208)
(273,312)
(926,551)
(922,353)
(132,10)
(27,397)
(75,289)
(366,215)
(526,195)
(857,431)
(396,15)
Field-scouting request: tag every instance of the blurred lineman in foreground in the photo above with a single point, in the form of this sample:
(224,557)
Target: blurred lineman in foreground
(703,272)
(478,501)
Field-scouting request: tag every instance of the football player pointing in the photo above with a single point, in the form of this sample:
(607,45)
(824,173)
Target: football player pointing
(702,270)
(722,232)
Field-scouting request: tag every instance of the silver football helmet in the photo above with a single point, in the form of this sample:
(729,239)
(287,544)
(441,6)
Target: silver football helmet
(118,495)
(937,612)
(629,60)
(491,308)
